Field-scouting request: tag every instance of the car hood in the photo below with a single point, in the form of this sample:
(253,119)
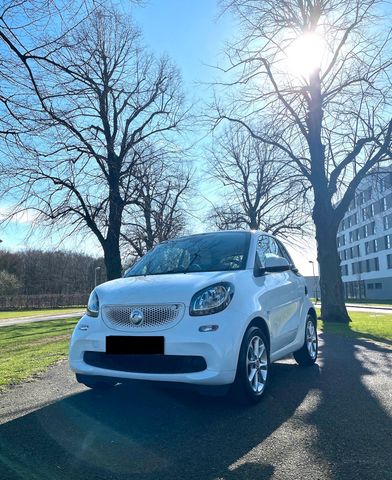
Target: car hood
(170,288)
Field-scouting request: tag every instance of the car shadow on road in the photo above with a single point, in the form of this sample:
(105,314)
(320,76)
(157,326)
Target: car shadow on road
(324,423)
(146,432)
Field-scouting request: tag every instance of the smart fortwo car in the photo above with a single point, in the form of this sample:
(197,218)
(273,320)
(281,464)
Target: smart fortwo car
(210,310)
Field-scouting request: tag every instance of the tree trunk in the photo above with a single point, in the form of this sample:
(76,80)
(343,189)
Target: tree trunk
(112,258)
(333,308)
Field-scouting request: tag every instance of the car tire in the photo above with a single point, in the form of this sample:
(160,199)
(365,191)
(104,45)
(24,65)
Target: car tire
(307,354)
(253,367)
(90,382)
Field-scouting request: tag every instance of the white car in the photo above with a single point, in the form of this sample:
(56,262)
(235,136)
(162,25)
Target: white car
(209,310)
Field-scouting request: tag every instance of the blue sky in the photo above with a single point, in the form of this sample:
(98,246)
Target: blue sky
(189,32)
(192,35)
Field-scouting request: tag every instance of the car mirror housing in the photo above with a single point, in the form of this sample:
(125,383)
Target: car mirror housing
(273,264)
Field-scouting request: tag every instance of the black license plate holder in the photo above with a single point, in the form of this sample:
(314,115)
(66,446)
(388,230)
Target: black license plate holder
(128,345)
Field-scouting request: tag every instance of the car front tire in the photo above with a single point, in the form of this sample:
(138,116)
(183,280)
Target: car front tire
(253,367)
(307,354)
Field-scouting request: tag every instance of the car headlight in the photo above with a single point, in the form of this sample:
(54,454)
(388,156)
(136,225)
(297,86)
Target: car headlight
(212,299)
(93,305)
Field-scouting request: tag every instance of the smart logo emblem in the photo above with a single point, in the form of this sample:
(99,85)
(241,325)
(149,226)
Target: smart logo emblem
(136,316)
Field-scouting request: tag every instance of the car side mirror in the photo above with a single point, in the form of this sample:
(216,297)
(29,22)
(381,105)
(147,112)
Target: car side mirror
(276,264)
(272,264)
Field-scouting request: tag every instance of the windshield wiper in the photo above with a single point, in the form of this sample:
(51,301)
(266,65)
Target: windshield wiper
(191,262)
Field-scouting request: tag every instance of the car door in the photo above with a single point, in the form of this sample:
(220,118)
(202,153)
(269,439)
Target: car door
(281,295)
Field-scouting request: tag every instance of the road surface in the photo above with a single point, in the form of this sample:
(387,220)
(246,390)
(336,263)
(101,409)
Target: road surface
(328,422)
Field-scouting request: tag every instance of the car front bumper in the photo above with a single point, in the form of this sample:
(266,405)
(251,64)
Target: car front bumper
(218,348)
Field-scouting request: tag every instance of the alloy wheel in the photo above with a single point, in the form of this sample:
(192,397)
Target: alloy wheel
(311,338)
(257,364)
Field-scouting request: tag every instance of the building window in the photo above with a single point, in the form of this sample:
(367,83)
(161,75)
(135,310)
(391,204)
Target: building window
(389,261)
(387,221)
(351,237)
(376,264)
(341,240)
(383,204)
(388,241)
(364,214)
(378,286)
(367,194)
(370,286)
(389,200)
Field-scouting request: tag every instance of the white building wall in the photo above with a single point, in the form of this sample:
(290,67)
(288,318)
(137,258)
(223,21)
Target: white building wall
(381,188)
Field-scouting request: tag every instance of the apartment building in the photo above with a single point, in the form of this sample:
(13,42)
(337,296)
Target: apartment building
(365,239)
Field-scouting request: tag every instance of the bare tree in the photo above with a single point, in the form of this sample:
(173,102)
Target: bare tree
(95,99)
(317,72)
(259,190)
(158,212)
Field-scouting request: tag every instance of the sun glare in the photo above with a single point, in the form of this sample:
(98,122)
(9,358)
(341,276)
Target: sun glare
(305,54)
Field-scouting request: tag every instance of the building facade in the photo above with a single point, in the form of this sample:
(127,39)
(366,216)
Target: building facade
(365,239)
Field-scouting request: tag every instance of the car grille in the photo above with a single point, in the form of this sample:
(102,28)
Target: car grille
(155,317)
(146,363)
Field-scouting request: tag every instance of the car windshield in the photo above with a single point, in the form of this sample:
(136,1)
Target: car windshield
(211,252)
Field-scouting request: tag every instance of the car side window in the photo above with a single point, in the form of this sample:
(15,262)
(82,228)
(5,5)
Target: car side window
(266,246)
(285,254)
(274,247)
(262,249)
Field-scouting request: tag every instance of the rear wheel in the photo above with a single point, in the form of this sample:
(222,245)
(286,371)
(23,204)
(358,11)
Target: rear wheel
(307,354)
(90,382)
(253,367)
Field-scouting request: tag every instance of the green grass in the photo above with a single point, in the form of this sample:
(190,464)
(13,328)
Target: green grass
(376,326)
(28,349)
(33,313)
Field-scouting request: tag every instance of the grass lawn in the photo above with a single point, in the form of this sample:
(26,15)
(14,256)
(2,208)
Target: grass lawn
(31,313)
(30,348)
(377,326)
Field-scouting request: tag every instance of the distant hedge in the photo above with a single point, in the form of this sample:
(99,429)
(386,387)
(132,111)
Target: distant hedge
(31,302)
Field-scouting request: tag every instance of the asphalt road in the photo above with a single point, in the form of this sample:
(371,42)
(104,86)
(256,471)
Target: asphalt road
(330,421)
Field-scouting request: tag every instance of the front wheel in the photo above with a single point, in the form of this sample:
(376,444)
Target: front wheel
(253,367)
(307,354)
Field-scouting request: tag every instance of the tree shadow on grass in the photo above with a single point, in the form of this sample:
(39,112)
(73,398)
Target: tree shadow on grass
(346,329)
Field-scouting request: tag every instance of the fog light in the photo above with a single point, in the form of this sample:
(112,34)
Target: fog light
(83,327)
(208,328)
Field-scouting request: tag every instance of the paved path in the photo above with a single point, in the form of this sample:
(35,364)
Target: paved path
(365,308)
(38,318)
(328,422)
